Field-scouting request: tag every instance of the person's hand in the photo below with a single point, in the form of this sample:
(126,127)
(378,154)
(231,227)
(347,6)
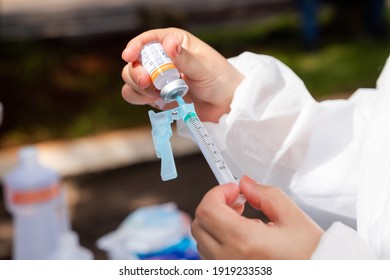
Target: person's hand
(222,233)
(211,79)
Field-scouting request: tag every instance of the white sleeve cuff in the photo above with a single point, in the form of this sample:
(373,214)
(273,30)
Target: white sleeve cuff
(340,242)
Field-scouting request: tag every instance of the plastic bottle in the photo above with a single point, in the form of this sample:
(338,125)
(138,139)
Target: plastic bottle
(33,197)
(163,72)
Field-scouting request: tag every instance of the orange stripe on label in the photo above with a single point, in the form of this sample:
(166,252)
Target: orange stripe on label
(34,196)
(161,69)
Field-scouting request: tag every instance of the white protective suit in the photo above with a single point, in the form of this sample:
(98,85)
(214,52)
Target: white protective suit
(331,157)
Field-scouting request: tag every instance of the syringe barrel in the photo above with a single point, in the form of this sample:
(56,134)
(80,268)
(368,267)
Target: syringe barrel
(209,149)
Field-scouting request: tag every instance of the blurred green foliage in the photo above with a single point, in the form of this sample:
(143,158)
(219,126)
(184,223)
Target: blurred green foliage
(342,63)
(340,68)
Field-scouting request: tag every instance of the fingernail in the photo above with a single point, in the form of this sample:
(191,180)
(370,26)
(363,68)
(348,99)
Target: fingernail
(124,54)
(160,103)
(178,46)
(248,180)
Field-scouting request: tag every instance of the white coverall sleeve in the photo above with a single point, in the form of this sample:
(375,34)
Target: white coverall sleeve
(279,135)
(340,242)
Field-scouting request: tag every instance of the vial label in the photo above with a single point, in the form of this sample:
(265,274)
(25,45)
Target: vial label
(155,60)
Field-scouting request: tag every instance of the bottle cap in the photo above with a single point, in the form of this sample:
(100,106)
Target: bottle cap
(173,89)
(28,152)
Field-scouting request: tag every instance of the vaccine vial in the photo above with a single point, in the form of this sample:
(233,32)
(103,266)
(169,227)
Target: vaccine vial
(163,72)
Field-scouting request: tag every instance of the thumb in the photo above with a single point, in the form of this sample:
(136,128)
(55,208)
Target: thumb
(224,195)
(185,61)
(273,202)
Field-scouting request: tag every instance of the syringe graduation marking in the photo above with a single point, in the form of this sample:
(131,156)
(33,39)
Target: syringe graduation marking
(203,135)
(204,141)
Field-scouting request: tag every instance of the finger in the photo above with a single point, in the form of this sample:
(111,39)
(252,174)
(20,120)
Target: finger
(238,208)
(201,254)
(136,76)
(137,98)
(140,75)
(137,82)
(206,243)
(189,62)
(274,203)
(180,56)
(179,45)
(134,47)
(215,215)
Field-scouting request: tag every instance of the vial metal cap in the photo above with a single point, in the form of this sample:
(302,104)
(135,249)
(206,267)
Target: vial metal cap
(173,89)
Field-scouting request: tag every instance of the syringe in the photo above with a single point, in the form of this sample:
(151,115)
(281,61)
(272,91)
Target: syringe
(161,132)
(207,146)
(209,150)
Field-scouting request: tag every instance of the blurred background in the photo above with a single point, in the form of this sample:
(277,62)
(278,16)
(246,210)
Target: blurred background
(60,73)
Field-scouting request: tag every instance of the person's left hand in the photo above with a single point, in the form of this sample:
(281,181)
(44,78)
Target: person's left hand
(222,233)
(211,79)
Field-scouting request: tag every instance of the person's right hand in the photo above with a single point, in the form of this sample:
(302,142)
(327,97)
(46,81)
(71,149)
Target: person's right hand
(211,79)
(222,233)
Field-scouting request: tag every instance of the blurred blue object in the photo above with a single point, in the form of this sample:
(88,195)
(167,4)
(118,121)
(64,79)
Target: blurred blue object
(369,14)
(152,232)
